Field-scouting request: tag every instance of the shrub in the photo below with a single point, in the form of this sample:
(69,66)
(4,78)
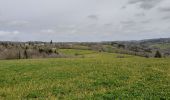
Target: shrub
(41,50)
(50,51)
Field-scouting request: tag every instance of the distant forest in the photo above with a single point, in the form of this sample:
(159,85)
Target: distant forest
(34,49)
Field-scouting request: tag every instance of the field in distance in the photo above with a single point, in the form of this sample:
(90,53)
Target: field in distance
(86,75)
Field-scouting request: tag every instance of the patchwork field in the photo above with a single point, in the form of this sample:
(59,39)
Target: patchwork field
(88,75)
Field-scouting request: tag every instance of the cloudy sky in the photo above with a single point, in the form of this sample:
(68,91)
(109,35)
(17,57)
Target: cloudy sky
(83,20)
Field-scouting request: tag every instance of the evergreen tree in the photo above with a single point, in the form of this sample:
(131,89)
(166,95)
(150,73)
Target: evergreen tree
(51,42)
(26,54)
(19,54)
(158,54)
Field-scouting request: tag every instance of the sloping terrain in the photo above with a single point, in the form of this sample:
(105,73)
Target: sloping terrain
(87,76)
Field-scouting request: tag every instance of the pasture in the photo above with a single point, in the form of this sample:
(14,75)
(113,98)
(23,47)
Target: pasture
(89,75)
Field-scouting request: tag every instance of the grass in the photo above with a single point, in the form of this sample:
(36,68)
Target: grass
(97,76)
(73,52)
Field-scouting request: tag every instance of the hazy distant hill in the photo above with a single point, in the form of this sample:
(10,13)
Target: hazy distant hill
(38,49)
(160,40)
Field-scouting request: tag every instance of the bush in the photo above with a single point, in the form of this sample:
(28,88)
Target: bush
(41,50)
(50,51)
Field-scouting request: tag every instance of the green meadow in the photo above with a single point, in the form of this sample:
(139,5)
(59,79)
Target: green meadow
(86,75)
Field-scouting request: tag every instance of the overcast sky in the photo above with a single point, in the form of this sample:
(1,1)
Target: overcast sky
(83,20)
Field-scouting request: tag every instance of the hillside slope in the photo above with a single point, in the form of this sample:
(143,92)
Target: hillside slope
(91,75)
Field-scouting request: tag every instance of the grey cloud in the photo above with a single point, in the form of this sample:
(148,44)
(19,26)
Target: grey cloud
(94,17)
(2,33)
(145,4)
(123,7)
(146,21)
(166,17)
(85,20)
(108,24)
(166,9)
(128,22)
(13,24)
(140,14)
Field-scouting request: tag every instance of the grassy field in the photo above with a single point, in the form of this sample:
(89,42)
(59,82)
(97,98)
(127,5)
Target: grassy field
(89,76)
